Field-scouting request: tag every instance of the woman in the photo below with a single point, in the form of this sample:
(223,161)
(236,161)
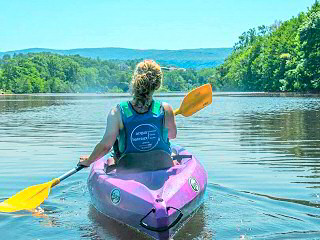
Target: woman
(140,125)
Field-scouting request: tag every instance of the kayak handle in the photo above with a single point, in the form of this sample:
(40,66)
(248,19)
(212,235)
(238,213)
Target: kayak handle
(161,229)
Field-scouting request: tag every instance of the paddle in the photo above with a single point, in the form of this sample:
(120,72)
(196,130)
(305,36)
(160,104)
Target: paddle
(195,101)
(33,196)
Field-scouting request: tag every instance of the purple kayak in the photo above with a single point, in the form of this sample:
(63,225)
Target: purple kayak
(148,193)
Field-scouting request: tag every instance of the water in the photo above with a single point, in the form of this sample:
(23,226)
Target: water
(261,153)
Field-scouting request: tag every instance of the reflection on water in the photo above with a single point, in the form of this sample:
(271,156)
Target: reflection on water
(261,153)
(293,139)
(105,227)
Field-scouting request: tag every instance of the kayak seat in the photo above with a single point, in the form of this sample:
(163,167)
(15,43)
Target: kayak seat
(138,162)
(180,157)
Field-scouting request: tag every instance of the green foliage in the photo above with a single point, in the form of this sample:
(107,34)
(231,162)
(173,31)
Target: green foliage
(116,89)
(310,45)
(47,72)
(282,57)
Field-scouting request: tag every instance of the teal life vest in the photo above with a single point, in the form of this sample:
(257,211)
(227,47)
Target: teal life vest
(142,132)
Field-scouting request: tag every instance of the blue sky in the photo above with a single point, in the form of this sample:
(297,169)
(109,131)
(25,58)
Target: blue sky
(139,24)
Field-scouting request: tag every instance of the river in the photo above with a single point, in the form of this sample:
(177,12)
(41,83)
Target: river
(262,155)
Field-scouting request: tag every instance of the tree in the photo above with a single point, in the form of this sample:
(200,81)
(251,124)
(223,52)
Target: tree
(310,45)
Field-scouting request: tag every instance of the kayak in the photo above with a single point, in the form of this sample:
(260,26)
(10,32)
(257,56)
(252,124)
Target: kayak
(146,192)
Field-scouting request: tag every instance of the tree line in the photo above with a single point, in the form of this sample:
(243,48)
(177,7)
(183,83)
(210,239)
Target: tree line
(53,73)
(281,57)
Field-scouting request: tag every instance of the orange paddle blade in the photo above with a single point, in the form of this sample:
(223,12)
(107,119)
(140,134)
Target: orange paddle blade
(195,100)
(29,198)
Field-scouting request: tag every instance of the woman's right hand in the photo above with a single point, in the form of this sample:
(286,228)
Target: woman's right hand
(175,163)
(84,161)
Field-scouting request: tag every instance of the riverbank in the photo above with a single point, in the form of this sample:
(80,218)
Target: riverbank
(174,94)
(265,94)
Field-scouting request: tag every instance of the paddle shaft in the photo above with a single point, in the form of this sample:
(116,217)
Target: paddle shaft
(176,112)
(67,174)
(71,172)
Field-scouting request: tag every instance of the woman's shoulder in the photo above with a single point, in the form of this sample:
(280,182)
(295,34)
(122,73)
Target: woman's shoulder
(114,109)
(115,112)
(115,115)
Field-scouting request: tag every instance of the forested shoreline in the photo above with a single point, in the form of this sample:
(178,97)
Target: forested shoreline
(282,57)
(53,73)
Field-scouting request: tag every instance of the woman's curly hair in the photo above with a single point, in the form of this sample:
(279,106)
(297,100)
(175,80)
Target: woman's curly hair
(147,78)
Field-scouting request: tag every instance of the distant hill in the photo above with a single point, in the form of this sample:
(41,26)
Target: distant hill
(186,58)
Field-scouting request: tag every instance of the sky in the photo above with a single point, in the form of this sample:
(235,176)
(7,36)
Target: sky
(137,24)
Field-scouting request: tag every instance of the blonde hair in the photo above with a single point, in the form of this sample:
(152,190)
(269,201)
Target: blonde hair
(147,78)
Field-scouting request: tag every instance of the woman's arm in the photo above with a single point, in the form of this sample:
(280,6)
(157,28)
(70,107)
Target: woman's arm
(109,138)
(170,121)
